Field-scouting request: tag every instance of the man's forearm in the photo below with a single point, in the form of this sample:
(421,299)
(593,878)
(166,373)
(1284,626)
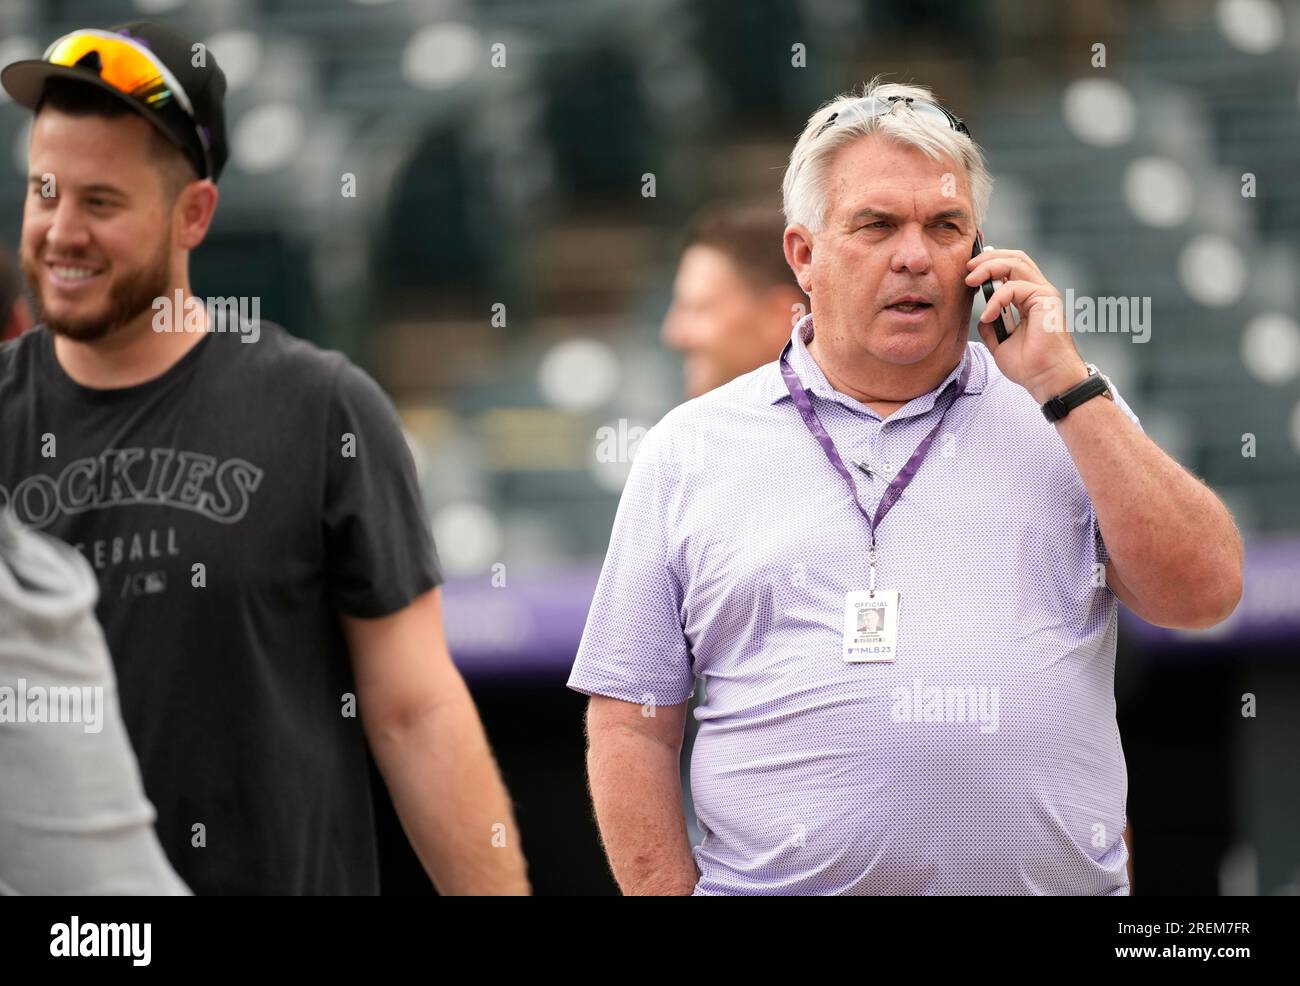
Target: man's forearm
(448,793)
(636,789)
(1171,540)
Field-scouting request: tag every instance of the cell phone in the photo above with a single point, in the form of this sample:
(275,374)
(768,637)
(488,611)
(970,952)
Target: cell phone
(1005,324)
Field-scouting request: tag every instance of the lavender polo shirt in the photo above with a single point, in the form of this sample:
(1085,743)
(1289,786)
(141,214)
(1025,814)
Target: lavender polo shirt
(986,759)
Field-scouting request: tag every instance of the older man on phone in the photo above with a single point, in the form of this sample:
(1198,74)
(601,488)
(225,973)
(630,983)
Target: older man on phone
(994,501)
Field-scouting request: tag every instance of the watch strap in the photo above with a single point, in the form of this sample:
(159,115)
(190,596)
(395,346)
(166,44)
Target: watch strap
(1062,404)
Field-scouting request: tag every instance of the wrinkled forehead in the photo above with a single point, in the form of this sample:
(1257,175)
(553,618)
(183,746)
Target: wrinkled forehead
(880,172)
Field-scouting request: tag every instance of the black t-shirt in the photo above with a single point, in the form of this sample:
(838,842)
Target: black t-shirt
(232,508)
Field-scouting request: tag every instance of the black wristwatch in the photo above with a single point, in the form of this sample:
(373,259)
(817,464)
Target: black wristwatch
(1062,404)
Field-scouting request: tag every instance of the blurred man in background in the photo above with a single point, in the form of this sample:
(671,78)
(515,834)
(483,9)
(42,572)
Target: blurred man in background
(734,297)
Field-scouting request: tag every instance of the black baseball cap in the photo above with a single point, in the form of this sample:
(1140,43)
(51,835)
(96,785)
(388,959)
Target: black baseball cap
(151,68)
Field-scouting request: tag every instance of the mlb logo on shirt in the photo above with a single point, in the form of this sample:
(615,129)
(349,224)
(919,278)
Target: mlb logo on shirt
(146,583)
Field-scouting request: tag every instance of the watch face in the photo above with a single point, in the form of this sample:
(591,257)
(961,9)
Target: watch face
(1109,391)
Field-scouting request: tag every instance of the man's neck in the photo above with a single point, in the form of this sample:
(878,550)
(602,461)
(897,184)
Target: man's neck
(132,354)
(885,387)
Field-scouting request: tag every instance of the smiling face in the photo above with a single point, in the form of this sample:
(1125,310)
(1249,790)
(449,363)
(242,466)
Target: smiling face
(887,272)
(98,251)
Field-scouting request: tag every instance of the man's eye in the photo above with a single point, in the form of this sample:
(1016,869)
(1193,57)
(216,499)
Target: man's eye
(878,224)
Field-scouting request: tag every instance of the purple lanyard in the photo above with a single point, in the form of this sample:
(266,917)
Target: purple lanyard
(904,476)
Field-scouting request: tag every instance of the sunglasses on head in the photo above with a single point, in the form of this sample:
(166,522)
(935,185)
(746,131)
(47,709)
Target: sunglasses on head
(130,68)
(869,107)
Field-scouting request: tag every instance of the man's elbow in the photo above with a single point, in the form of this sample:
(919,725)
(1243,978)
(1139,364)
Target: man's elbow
(1226,584)
(1228,597)
(396,722)
(1211,604)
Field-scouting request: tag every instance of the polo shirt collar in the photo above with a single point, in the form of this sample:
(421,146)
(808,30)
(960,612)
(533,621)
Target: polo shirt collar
(815,382)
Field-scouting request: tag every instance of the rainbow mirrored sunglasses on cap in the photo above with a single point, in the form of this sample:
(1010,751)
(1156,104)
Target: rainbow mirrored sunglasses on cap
(130,68)
(873,106)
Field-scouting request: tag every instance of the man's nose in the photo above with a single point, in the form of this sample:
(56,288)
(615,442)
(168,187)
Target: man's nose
(67,227)
(911,251)
(674,332)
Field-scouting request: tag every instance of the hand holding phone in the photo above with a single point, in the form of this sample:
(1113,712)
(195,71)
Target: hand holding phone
(1004,325)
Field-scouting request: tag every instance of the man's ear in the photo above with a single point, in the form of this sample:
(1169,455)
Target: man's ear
(195,206)
(798,243)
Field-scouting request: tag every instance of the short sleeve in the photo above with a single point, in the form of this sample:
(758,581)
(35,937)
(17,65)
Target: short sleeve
(1103,556)
(634,647)
(379,551)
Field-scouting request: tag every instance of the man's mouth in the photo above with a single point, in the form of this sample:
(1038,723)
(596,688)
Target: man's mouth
(912,305)
(67,275)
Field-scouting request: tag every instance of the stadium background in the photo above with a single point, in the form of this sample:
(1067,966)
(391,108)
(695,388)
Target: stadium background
(503,270)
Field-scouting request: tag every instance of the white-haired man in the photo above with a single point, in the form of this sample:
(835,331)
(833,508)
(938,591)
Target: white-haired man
(885,460)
